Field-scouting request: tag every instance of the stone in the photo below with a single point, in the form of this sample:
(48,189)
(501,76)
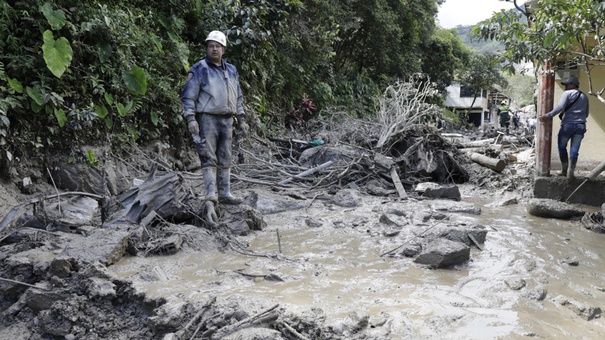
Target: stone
(105,246)
(548,208)
(440,253)
(455,207)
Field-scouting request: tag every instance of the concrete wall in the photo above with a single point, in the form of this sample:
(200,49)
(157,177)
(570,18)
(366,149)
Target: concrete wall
(558,188)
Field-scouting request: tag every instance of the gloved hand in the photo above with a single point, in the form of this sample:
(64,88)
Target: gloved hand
(243,128)
(193,127)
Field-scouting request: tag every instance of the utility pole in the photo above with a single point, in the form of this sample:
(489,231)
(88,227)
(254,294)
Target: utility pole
(544,131)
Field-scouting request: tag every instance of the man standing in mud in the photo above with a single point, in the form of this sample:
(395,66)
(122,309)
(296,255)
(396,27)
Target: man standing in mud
(573,112)
(212,99)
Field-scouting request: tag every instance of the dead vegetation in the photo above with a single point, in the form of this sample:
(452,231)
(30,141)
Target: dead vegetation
(390,154)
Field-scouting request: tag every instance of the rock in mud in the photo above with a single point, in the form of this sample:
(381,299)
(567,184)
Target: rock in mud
(103,245)
(585,312)
(434,190)
(548,208)
(455,207)
(346,198)
(537,293)
(515,283)
(440,253)
(459,233)
(267,203)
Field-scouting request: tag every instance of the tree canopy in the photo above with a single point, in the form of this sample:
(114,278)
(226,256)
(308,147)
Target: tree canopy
(74,72)
(567,29)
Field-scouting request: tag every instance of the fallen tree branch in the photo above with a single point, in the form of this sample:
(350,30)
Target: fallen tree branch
(223,332)
(308,172)
(24,284)
(292,330)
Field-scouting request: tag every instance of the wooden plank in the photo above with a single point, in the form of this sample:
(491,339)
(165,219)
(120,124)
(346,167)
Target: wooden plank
(398,185)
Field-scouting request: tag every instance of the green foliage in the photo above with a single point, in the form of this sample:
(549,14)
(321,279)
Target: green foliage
(556,28)
(90,156)
(521,88)
(478,45)
(482,72)
(444,56)
(56,18)
(117,67)
(136,80)
(57,54)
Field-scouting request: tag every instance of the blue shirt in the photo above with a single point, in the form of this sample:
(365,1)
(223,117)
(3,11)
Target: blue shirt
(576,113)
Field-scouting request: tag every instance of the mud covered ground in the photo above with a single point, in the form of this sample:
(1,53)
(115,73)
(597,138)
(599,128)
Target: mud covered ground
(317,270)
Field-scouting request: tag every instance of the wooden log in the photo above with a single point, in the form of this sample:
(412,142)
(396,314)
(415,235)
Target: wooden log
(596,171)
(488,162)
(478,143)
(471,150)
(308,172)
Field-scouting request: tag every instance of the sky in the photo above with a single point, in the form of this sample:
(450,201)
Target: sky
(469,12)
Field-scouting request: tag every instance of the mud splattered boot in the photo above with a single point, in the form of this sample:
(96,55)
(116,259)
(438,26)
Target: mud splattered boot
(210,183)
(572,168)
(564,165)
(224,184)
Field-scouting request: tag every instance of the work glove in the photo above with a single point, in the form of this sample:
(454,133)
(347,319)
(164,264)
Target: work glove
(242,127)
(194,128)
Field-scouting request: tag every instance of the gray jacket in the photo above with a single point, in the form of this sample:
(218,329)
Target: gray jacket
(212,89)
(576,113)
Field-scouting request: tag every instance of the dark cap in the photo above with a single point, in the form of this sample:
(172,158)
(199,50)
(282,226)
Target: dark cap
(571,80)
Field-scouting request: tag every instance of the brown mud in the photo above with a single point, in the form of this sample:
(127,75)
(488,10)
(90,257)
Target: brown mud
(319,269)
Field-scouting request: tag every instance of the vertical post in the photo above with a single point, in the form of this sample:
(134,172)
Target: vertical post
(544,128)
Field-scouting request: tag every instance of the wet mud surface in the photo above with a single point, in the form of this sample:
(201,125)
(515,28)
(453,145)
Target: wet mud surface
(533,277)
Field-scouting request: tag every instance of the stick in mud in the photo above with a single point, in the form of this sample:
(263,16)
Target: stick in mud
(278,240)
(24,284)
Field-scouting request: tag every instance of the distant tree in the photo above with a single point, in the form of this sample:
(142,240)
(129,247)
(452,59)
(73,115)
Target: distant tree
(444,55)
(521,88)
(482,73)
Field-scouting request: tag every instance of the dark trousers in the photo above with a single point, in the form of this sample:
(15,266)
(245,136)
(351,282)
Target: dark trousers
(216,132)
(573,132)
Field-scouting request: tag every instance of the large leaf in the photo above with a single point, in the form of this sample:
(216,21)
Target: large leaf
(15,85)
(35,94)
(154,118)
(57,53)
(61,117)
(56,18)
(136,80)
(101,111)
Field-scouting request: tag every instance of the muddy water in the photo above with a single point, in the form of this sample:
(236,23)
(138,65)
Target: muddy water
(339,268)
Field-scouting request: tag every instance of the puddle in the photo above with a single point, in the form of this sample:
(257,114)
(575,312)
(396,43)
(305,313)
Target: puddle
(338,268)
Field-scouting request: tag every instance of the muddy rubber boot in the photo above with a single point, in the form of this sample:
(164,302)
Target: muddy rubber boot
(572,168)
(224,184)
(210,183)
(564,165)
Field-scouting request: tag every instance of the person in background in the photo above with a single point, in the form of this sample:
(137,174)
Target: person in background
(516,120)
(573,110)
(503,111)
(212,99)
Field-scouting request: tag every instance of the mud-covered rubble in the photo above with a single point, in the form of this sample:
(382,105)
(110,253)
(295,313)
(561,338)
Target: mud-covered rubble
(56,250)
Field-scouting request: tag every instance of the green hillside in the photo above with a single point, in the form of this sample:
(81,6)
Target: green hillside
(464,33)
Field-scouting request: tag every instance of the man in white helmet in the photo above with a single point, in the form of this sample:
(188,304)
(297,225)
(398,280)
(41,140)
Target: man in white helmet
(212,99)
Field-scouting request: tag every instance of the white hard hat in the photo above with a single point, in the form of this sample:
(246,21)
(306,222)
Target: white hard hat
(217,36)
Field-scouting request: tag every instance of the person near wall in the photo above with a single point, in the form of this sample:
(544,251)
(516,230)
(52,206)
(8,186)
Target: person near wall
(503,111)
(573,111)
(212,99)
